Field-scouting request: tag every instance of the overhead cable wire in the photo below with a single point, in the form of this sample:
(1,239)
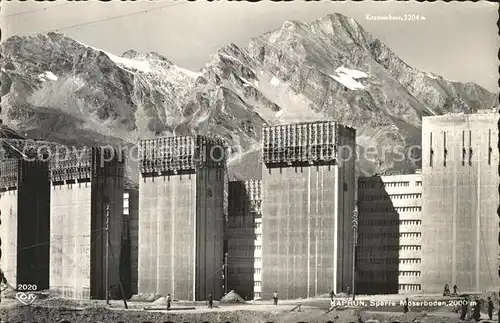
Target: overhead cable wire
(36,10)
(171,4)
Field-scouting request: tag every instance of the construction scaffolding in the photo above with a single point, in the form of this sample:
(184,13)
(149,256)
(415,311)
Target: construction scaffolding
(254,195)
(301,142)
(28,149)
(181,153)
(25,199)
(9,172)
(17,154)
(83,164)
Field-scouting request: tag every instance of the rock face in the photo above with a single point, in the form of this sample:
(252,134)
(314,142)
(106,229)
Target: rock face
(57,89)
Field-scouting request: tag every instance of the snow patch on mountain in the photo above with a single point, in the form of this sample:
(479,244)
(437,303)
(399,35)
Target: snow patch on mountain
(188,72)
(275,81)
(232,58)
(48,75)
(247,82)
(347,77)
(348,81)
(355,74)
(142,66)
(431,76)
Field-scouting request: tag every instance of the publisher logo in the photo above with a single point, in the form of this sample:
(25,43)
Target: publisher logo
(25,298)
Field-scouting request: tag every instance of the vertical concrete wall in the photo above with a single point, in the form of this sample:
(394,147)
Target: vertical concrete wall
(298,237)
(24,202)
(460,201)
(167,222)
(309,192)
(131,239)
(148,200)
(134,239)
(106,190)
(84,183)
(9,234)
(181,225)
(70,240)
(347,196)
(181,229)
(33,224)
(78,237)
(209,232)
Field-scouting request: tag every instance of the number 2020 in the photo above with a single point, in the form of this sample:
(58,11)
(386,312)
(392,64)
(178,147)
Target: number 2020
(27,287)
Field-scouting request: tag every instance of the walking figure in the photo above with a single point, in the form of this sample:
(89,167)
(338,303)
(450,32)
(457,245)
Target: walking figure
(406,308)
(3,280)
(446,291)
(168,302)
(498,311)
(477,311)
(465,308)
(210,301)
(275,298)
(332,294)
(2,277)
(490,309)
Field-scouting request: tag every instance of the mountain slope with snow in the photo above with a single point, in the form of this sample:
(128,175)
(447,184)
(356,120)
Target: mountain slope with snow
(58,89)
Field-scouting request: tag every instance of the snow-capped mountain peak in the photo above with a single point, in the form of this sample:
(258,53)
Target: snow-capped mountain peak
(58,89)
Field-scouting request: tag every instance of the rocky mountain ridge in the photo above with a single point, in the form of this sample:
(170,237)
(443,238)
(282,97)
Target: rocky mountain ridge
(58,89)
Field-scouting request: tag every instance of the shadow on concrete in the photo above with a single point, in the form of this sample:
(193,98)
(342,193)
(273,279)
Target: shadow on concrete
(33,228)
(130,241)
(240,239)
(377,261)
(498,210)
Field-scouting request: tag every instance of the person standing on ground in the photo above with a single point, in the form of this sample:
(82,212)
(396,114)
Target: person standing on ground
(210,300)
(275,298)
(3,280)
(332,294)
(477,310)
(498,311)
(2,277)
(465,308)
(446,291)
(348,290)
(406,308)
(168,302)
(490,309)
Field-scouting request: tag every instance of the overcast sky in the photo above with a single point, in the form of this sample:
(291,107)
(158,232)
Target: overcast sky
(458,40)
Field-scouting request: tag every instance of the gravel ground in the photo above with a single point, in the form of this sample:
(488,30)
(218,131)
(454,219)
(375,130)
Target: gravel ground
(312,311)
